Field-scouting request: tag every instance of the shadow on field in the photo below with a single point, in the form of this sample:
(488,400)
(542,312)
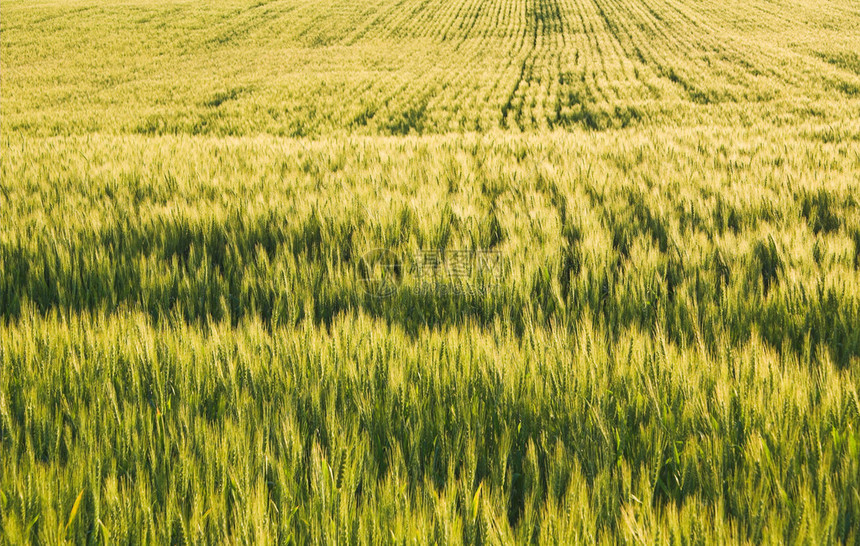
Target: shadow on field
(215,285)
(285,271)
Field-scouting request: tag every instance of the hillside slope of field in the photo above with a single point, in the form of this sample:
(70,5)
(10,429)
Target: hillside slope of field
(430,271)
(299,68)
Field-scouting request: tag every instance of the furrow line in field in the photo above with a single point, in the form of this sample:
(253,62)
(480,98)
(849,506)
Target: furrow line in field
(744,61)
(372,21)
(643,47)
(678,61)
(641,69)
(594,54)
(506,67)
(620,71)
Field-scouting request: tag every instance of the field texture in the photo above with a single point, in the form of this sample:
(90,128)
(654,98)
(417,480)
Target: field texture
(416,271)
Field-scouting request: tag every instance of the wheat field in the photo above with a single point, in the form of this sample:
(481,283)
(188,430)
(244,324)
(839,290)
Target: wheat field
(430,271)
